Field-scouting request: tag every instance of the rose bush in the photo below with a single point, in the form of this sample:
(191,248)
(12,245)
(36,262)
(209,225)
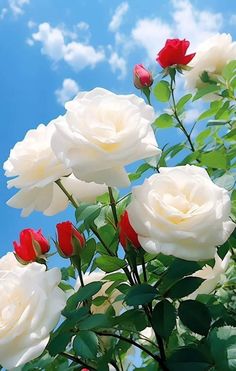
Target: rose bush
(31,305)
(151,270)
(181,212)
(101,133)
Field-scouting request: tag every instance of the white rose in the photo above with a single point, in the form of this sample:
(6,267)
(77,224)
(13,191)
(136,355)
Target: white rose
(35,168)
(30,307)
(181,212)
(97,277)
(212,276)
(211,56)
(101,133)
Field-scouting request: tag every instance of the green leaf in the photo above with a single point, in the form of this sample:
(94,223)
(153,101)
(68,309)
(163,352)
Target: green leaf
(140,294)
(214,159)
(85,344)
(222,343)
(187,359)
(181,103)
(120,277)
(217,122)
(164,121)
(177,270)
(87,253)
(162,91)
(110,263)
(204,91)
(226,181)
(229,70)
(83,293)
(164,318)
(87,213)
(184,287)
(195,316)
(95,321)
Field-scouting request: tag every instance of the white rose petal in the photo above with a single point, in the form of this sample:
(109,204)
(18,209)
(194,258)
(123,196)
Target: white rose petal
(181,212)
(211,56)
(212,276)
(30,307)
(101,133)
(35,169)
(83,191)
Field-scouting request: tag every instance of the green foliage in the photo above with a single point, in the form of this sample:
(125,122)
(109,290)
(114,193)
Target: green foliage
(110,263)
(164,121)
(85,344)
(222,342)
(195,316)
(140,294)
(162,91)
(164,318)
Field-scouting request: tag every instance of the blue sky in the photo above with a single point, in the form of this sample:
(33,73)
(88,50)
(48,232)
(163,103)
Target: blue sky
(52,48)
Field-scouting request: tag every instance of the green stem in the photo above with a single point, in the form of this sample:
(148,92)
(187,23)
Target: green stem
(77,360)
(131,341)
(69,196)
(113,205)
(144,270)
(188,136)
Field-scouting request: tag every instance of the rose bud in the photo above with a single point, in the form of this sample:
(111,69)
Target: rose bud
(142,77)
(69,240)
(174,53)
(126,232)
(32,245)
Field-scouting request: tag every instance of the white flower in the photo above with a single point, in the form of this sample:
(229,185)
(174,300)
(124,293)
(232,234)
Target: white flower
(211,56)
(110,300)
(30,307)
(181,212)
(212,276)
(101,133)
(36,168)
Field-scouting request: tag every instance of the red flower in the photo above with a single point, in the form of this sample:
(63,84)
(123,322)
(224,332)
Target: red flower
(32,245)
(174,52)
(142,77)
(66,232)
(127,233)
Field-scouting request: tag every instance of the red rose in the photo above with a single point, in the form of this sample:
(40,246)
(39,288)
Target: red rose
(127,233)
(142,77)
(174,52)
(32,245)
(66,234)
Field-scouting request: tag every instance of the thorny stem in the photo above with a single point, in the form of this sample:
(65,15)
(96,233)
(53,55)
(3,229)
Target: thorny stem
(69,196)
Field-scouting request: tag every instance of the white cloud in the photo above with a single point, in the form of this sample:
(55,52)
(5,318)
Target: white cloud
(3,13)
(117,18)
(68,90)
(16,6)
(118,64)
(232,19)
(151,34)
(54,44)
(188,22)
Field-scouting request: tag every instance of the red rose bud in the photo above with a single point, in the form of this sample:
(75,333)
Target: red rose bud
(32,245)
(142,77)
(174,52)
(126,232)
(68,239)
